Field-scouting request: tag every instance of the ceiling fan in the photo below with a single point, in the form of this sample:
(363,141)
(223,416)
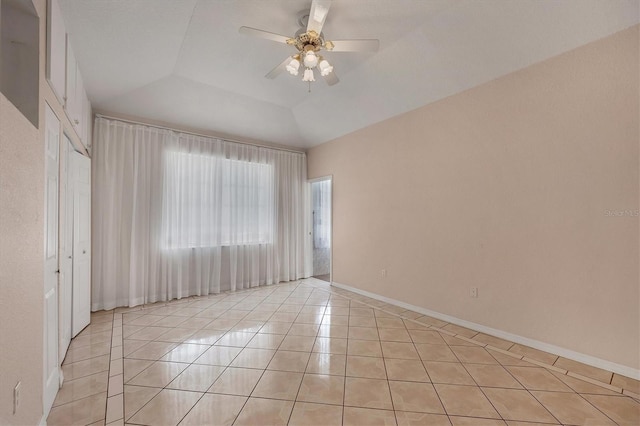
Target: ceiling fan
(310,41)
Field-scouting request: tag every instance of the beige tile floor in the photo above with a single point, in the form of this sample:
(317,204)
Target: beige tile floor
(305,353)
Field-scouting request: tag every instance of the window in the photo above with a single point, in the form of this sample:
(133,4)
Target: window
(210,201)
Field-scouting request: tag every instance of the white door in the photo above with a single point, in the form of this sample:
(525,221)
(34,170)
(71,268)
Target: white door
(81,241)
(51,366)
(66,247)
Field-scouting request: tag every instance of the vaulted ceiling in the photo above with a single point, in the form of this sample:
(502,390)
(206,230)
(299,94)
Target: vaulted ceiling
(184,61)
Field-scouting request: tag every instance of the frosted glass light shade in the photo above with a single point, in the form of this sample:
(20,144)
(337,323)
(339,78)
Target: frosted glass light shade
(310,59)
(325,67)
(308,75)
(293,66)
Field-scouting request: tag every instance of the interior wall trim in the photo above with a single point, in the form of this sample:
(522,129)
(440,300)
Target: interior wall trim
(536,344)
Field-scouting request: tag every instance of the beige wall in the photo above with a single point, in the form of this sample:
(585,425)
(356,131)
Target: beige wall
(21,264)
(505,187)
(22,248)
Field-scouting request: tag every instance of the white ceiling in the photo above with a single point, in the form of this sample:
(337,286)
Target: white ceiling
(184,62)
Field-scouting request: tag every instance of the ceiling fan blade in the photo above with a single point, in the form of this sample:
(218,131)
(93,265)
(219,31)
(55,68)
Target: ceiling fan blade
(318,14)
(278,69)
(331,79)
(264,34)
(371,45)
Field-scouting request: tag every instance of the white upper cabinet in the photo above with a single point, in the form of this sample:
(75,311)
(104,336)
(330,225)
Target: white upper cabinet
(77,103)
(64,75)
(56,47)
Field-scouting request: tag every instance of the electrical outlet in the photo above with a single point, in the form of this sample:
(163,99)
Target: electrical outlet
(473,292)
(16,398)
(383,273)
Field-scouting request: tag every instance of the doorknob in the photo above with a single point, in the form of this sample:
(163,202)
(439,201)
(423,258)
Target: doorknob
(84,251)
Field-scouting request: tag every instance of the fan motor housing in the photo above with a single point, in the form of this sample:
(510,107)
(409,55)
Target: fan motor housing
(306,40)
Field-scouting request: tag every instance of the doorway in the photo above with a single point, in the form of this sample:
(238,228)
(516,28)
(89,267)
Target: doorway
(321,189)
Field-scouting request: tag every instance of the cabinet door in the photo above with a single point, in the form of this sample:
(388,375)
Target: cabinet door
(77,104)
(77,117)
(56,45)
(72,71)
(86,116)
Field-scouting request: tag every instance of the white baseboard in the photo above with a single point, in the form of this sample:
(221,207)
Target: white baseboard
(623,370)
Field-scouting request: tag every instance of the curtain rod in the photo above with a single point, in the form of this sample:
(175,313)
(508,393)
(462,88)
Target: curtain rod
(197,134)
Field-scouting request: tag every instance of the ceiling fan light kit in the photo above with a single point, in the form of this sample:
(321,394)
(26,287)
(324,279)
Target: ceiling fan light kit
(325,67)
(309,42)
(294,65)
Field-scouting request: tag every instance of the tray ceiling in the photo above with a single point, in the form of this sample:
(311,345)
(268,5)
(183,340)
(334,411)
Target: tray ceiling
(184,62)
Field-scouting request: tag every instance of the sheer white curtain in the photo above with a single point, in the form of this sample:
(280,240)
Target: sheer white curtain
(178,215)
(321,191)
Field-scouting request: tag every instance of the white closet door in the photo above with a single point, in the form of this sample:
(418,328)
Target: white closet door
(81,242)
(51,374)
(66,246)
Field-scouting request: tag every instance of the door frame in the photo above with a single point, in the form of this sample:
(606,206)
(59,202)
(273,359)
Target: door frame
(311,181)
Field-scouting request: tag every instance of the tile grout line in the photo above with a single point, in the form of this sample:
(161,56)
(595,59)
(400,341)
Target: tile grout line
(121,361)
(307,364)
(426,371)
(332,295)
(543,365)
(440,330)
(346,358)
(106,400)
(515,378)
(210,346)
(384,364)
(477,385)
(165,387)
(262,375)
